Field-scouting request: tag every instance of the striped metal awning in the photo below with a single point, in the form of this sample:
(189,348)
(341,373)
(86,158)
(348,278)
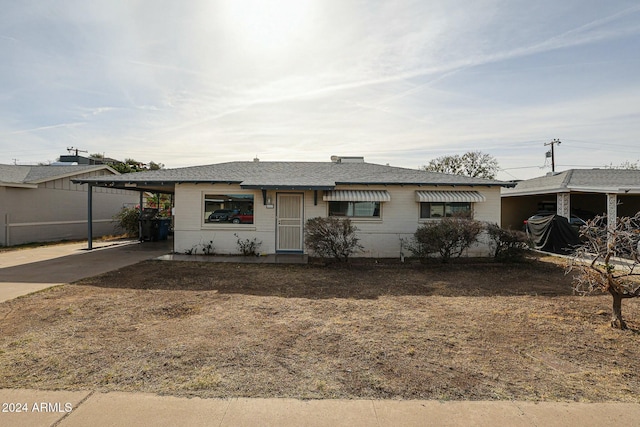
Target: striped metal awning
(449,196)
(356,196)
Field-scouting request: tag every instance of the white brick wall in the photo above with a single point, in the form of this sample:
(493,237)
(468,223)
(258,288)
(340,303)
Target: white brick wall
(380,237)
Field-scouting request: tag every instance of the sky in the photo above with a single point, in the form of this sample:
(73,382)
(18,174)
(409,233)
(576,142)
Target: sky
(399,82)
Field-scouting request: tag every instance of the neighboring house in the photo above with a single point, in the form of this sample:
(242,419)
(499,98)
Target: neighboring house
(579,192)
(273,200)
(41,203)
(82,160)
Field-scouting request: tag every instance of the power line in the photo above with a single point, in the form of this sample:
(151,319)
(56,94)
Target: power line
(511,175)
(602,144)
(521,167)
(584,166)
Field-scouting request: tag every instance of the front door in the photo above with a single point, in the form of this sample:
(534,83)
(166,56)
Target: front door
(289,217)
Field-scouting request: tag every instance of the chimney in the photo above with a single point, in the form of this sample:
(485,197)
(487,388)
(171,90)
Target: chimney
(347,159)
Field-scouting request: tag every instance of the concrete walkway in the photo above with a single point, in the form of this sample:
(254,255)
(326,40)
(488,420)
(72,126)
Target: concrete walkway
(24,271)
(239,259)
(76,409)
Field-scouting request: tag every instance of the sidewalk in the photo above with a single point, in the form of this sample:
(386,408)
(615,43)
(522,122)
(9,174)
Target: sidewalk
(71,409)
(25,271)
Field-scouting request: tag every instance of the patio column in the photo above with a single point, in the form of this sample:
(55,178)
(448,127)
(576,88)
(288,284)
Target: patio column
(563,204)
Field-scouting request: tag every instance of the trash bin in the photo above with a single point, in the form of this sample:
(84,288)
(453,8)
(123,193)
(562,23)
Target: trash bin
(161,228)
(147,226)
(146,229)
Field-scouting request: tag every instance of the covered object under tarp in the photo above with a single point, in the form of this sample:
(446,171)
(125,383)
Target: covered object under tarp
(552,234)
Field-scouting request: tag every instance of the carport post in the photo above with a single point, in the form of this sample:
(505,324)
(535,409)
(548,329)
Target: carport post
(90,217)
(563,205)
(612,214)
(140,221)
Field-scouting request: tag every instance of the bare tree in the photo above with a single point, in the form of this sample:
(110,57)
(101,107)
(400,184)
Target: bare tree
(607,261)
(624,165)
(473,163)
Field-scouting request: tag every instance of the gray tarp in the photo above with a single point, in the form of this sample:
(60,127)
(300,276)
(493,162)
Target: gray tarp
(553,234)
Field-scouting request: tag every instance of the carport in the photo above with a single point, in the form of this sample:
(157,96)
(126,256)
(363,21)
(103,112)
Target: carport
(125,182)
(584,193)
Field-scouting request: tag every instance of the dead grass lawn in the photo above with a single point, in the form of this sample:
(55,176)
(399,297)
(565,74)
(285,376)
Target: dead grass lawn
(471,330)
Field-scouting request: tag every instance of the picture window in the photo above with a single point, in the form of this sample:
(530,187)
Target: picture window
(442,210)
(228,208)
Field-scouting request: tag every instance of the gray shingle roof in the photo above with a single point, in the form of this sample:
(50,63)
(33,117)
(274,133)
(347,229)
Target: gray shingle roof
(14,174)
(295,175)
(19,174)
(593,180)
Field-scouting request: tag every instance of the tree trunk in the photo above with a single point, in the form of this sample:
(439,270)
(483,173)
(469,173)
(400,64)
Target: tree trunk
(616,316)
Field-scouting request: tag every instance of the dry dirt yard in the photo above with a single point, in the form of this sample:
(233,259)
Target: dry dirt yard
(470,330)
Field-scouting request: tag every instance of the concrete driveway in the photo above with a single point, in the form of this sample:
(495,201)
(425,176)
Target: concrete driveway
(25,271)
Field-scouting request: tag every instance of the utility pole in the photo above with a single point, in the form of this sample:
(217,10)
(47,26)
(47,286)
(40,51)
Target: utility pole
(77,150)
(552,154)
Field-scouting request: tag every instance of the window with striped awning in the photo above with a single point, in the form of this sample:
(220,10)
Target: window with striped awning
(440,196)
(356,196)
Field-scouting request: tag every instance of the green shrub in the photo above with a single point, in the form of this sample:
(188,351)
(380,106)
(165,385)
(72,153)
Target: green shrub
(332,237)
(127,220)
(446,238)
(507,245)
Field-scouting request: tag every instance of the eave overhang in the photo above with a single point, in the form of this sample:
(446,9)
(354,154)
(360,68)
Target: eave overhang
(429,184)
(18,185)
(572,189)
(287,187)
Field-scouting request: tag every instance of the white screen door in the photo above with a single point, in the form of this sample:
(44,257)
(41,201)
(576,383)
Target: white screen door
(290,220)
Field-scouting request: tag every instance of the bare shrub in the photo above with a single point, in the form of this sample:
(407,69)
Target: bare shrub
(206,248)
(447,238)
(332,237)
(248,247)
(607,261)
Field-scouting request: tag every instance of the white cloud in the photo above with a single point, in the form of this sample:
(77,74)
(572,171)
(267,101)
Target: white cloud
(399,82)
